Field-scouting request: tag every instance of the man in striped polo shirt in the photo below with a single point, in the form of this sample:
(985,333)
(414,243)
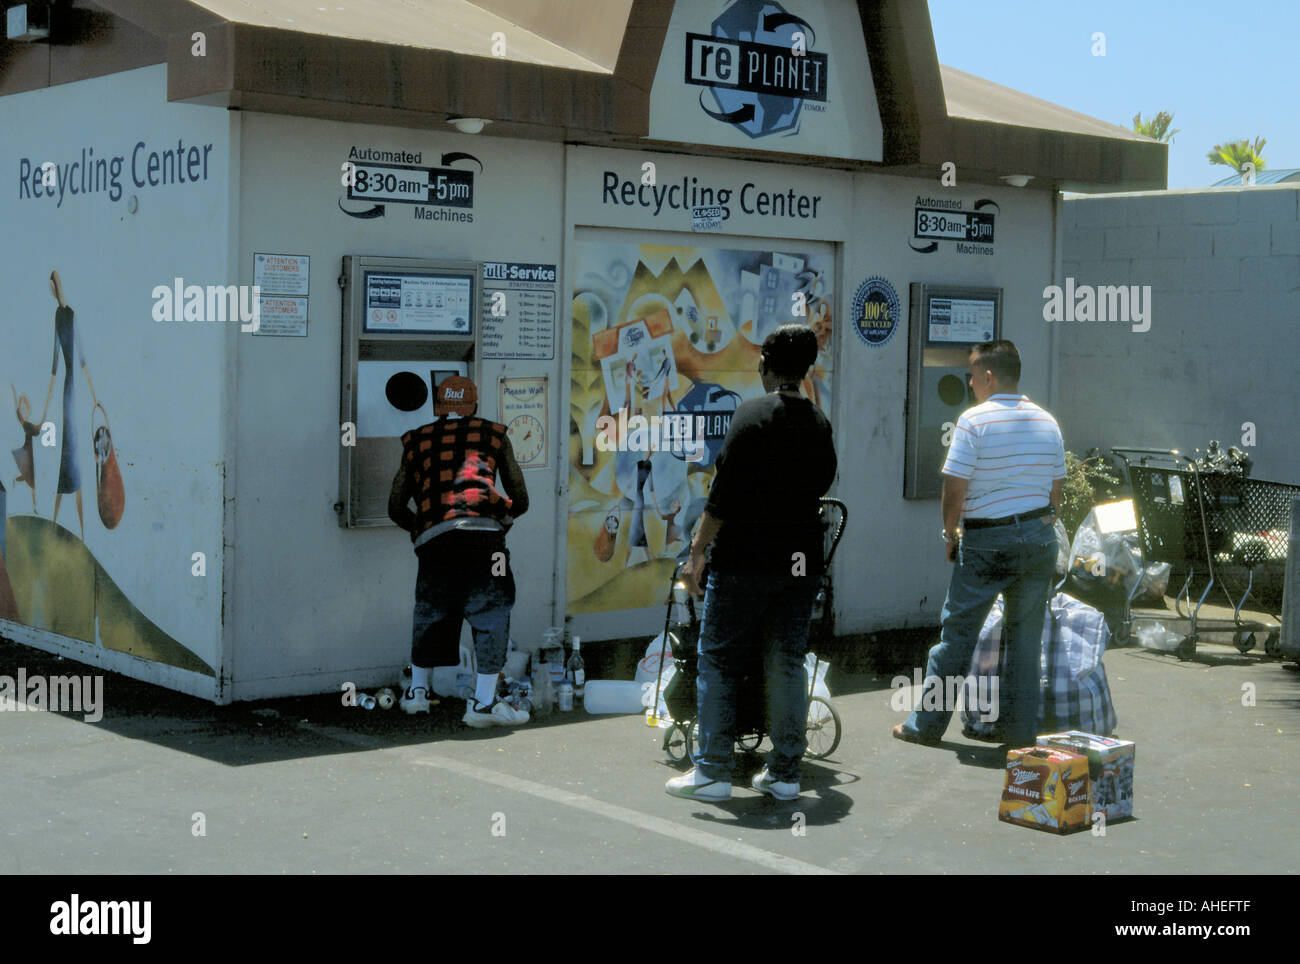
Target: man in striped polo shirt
(449,468)
(1001,489)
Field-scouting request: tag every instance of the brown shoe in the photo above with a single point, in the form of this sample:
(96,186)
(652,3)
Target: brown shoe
(911,736)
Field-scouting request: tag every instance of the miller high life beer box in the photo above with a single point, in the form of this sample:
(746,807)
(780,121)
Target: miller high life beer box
(1110,766)
(1046,789)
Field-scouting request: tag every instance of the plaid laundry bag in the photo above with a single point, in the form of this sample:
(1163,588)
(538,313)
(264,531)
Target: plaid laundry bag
(1076,694)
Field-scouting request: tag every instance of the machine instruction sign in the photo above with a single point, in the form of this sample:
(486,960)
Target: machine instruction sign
(418,302)
(282,281)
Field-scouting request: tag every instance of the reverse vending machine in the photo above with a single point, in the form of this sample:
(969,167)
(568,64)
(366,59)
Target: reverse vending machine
(945,323)
(407,324)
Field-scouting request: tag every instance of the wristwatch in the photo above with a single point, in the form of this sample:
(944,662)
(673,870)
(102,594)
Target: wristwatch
(955,536)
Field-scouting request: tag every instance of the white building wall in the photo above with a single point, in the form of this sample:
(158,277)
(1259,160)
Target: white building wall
(315,604)
(127,598)
(891,571)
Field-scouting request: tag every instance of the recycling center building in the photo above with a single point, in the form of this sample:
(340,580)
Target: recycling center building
(255,237)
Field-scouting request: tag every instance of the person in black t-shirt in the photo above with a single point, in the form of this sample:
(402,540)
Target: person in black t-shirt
(765,561)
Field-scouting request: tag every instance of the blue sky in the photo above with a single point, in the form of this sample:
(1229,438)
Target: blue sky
(1227,71)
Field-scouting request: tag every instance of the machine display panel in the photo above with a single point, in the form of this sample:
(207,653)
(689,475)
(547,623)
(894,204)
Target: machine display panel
(399,301)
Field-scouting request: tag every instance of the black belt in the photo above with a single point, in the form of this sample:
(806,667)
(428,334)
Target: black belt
(1006,520)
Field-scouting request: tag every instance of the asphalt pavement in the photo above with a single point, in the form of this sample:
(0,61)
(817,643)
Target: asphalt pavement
(308,786)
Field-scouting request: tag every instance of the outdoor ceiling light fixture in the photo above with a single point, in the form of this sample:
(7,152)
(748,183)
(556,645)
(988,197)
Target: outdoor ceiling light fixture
(468,125)
(1017,180)
(28,22)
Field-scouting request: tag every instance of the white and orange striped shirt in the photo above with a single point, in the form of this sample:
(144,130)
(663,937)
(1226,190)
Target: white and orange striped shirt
(1011,451)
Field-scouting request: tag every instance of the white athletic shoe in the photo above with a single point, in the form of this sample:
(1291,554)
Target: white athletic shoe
(499,713)
(416,700)
(764,782)
(696,786)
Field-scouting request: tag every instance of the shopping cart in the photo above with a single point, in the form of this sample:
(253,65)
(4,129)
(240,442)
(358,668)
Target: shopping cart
(1207,520)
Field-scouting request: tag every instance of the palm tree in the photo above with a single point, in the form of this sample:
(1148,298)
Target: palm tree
(1157,128)
(1236,154)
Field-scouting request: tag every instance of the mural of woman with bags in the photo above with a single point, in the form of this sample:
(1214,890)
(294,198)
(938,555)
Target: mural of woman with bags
(109,480)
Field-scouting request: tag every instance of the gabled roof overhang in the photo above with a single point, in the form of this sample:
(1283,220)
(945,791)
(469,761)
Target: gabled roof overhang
(562,82)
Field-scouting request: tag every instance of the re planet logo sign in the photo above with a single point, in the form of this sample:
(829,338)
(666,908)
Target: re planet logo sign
(759,66)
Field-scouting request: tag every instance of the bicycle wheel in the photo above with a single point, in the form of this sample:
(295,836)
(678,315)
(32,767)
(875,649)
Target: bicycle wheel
(823,730)
(692,741)
(677,743)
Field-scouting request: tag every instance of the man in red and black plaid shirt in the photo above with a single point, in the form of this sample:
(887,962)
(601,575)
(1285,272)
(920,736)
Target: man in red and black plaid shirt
(449,469)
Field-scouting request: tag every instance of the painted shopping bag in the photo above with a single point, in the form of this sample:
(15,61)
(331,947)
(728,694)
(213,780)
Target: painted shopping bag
(109,492)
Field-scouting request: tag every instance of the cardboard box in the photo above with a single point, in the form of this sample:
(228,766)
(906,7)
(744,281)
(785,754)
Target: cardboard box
(1110,767)
(1047,789)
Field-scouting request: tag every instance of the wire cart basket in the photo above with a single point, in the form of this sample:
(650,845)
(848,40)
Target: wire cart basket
(1205,520)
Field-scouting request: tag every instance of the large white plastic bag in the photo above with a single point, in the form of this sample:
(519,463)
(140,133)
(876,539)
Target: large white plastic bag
(648,691)
(1062,549)
(1114,558)
(816,669)
(648,669)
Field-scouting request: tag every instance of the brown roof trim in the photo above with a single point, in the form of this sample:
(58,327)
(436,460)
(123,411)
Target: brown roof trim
(290,72)
(163,18)
(905,71)
(1055,159)
(919,134)
(91,41)
(252,67)
(247,66)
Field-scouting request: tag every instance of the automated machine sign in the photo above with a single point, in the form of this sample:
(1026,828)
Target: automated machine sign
(936,220)
(379,177)
(759,66)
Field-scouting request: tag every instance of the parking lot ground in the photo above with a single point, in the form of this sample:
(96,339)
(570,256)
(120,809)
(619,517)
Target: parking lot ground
(309,786)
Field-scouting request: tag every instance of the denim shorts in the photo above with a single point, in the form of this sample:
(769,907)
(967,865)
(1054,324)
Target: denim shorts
(463,576)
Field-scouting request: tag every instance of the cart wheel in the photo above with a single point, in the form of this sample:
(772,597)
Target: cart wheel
(1244,642)
(677,743)
(692,741)
(823,729)
(1123,632)
(1271,646)
(1186,649)
(747,743)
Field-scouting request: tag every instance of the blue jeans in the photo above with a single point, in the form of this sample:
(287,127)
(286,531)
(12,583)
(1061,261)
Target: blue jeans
(1018,561)
(754,624)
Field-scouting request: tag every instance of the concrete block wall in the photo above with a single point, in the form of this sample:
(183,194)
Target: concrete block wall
(1223,348)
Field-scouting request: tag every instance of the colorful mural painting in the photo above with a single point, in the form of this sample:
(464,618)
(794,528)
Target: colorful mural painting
(48,577)
(666,345)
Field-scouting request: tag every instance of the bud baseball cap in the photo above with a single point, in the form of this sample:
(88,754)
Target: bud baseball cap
(455,395)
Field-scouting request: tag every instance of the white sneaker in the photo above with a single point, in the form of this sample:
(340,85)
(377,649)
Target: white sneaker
(416,700)
(764,782)
(499,713)
(696,786)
